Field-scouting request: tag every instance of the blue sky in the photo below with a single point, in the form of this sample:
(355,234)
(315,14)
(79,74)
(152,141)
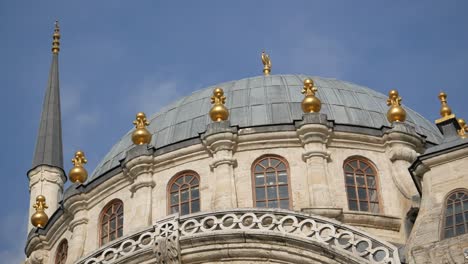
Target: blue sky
(120,57)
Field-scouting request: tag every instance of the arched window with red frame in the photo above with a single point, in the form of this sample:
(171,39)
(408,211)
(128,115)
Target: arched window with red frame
(111,222)
(270,180)
(361,181)
(456,214)
(184,193)
(62,252)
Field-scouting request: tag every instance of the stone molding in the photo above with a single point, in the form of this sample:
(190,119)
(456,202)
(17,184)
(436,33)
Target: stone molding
(48,174)
(167,237)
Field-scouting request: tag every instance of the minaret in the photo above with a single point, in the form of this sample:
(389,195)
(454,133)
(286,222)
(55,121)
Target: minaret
(47,176)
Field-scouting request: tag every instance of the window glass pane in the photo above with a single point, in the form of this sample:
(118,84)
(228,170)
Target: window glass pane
(112,236)
(174,187)
(119,232)
(259,168)
(466,217)
(264,163)
(271,178)
(184,195)
(449,221)
(371,181)
(458,219)
(273,204)
(175,198)
(174,209)
(184,209)
(180,180)
(283,191)
(188,178)
(274,162)
(105,218)
(259,179)
(360,180)
(120,220)
(460,229)
(369,170)
(284,204)
(449,210)
(104,229)
(448,233)
(348,168)
(354,164)
(271,193)
(282,177)
(196,206)
(260,193)
(349,179)
(374,208)
(103,240)
(261,204)
(351,192)
(362,194)
(353,205)
(120,209)
(465,205)
(194,181)
(281,167)
(373,195)
(458,208)
(112,224)
(363,206)
(195,193)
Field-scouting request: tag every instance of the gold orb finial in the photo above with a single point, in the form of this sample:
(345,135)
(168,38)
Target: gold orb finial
(266,63)
(218,112)
(141,135)
(396,113)
(78,173)
(445,110)
(310,103)
(40,218)
(463,132)
(56,39)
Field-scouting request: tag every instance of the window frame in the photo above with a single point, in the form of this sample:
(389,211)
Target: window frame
(288,176)
(101,216)
(375,174)
(444,216)
(59,250)
(173,181)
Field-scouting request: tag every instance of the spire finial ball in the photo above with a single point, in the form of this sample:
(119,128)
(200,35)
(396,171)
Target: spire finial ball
(395,113)
(218,112)
(78,173)
(141,135)
(445,110)
(40,218)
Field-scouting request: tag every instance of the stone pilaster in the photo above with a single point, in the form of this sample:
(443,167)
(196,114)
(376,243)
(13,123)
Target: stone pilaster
(78,228)
(221,140)
(48,181)
(138,167)
(313,131)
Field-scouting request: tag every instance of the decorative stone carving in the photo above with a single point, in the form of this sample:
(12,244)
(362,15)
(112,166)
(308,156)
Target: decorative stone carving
(166,244)
(38,257)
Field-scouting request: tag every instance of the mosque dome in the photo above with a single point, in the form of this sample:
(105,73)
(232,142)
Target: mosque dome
(263,101)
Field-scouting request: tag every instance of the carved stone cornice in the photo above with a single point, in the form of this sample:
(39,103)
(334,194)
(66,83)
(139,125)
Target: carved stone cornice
(38,257)
(316,153)
(223,160)
(403,134)
(138,166)
(48,174)
(77,222)
(220,136)
(402,153)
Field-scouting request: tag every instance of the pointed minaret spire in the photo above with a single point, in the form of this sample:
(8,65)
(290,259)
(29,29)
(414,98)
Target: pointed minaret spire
(49,140)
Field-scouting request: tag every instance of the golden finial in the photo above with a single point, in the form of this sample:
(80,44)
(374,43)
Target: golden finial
(56,39)
(141,135)
(266,63)
(78,173)
(40,218)
(463,132)
(218,112)
(445,111)
(396,113)
(310,104)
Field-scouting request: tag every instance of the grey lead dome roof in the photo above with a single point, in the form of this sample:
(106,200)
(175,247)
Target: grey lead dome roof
(265,100)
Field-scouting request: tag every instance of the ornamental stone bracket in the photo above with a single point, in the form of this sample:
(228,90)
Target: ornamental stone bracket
(38,257)
(138,167)
(166,247)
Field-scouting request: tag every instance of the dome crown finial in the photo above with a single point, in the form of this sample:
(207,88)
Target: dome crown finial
(78,173)
(266,63)
(141,135)
(56,39)
(463,131)
(40,218)
(396,113)
(310,103)
(218,112)
(445,110)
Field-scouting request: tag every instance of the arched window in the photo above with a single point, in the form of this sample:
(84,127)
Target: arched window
(456,214)
(62,252)
(184,193)
(361,185)
(270,178)
(111,221)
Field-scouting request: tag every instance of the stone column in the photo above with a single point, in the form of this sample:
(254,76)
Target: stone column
(78,227)
(138,167)
(221,140)
(48,181)
(313,131)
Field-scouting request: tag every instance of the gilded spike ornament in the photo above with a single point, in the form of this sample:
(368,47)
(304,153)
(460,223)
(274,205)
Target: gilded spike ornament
(40,218)
(218,112)
(396,113)
(78,173)
(310,103)
(56,39)
(463,132)
(445,110)
(141,135)
(266,63)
